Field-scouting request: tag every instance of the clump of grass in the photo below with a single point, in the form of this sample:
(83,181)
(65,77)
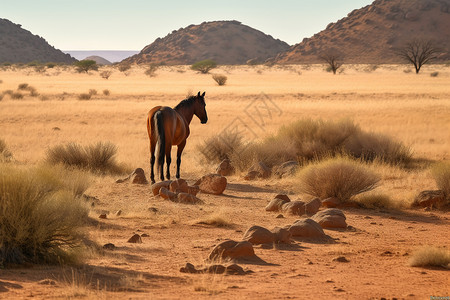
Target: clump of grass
(339,177)
(434,74)
(41,217)
(441,174)
(430,256)
(220,79)
(16,96)
(220,147)
(5,154)
(84,96)
(106,74)
(92,92)
(377,201)
(217,220)
(23,87)
(106,92)
(98,158)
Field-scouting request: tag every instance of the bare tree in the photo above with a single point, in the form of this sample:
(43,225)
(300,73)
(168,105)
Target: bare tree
(333,59)
(418,52)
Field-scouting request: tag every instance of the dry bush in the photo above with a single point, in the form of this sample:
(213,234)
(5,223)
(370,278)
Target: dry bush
(98,158)
(151,70)
(84,96)
(23,87)
(41,218)
(5,154)
(339,177)
(92,92)
(430,256)
(16,96)
(220,147)
(441,174)
(217,220)
(377,200)
(106,92)
(124,67)
(106,74)
(434,74)
(220,79)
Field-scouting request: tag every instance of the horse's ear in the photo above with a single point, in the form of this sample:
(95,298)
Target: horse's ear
(198,95)
(203,95)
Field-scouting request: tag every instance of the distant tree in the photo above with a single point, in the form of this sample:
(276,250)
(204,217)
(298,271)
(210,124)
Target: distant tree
(418,52)
(220,79)
(333,59)
(86,65)
(105,74)
(204,66)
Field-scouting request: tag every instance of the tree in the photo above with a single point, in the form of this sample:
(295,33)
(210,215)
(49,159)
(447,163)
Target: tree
(418,52)
(86,65)
(204,66)
(333,59)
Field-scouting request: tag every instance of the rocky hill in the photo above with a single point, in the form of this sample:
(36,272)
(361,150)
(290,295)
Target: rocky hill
(18,45)
(226,42)
(99,60)
(371,34)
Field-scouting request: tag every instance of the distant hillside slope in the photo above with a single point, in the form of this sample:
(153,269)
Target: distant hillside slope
(226,42)
(99,60)
(18,45)
(372,33)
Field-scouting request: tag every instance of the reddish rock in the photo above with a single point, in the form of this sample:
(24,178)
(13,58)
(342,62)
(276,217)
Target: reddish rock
(331,202)
(252,175)
(138,177)
(312,206)
(430,199)
(212,184)
(262,170)
(179,186)
(225,168)
(277,203)
(166,194)
(193,190)
(306,228)
(157,186)
(294,207)
(136,239)
(282,235)
(330,218)
(232,250)
(102,216)
(258,235)
(188,198)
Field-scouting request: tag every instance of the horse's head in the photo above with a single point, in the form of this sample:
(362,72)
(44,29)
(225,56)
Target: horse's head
(200,107)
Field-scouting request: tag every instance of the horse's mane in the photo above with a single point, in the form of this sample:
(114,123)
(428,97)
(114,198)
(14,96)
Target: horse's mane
(186,102)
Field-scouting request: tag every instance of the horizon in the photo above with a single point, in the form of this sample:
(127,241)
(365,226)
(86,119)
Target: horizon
(112,26)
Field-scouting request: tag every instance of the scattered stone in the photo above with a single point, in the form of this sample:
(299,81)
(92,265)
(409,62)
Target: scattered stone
(285,169)
(252,175)
(232,269)
(277,203)
(306,228)
(235,269)
(166,194)
(258,235)
(47,282)
(283,197)
(294,208)
(187,198)
(109,246)
(179,186)
(102,216)
(280,216)
(313,206)
(225,168)
(330,218)
(136,239)
(189,268)
(232,250)
(341,259)
(212,184)
(281,235)
(153,209)
(157,186)
(145,235)
(193,190)
(138,177)
(262,170)
(119,212)
(430,199)
(331,202)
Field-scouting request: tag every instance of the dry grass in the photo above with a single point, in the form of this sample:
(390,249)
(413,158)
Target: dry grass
(340,177)
(220,79)
(441,174)
(218,219)
(430,256)
(378,201)
(5,154)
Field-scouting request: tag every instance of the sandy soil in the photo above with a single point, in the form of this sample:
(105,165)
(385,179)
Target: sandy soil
(378,243)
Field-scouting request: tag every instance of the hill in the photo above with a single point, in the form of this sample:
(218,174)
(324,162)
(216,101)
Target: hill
(372,33)
(226,42)
(99,60)
(18,45)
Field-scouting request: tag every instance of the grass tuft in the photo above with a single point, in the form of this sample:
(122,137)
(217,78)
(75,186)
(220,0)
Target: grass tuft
(441,174)
(430,256)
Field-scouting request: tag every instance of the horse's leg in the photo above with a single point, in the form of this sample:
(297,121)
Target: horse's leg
(168,159)
(179,151)
(152,158)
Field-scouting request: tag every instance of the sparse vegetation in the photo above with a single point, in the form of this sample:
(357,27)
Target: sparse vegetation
(106,74)
(418,52)
(16,96)
(434,74)
(216,220)
(106,92)
(97,158)
(220,147)
(23,86)
(340,177)
(41,214)
(441,174)
(220,79)
(377,201)
(430,256)
(84,96)
(124,68)
(92,92)
(333,59)
(151,70)
(204,66)
(5,154)
(86,65)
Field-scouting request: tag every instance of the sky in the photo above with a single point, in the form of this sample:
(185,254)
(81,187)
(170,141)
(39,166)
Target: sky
(133,24)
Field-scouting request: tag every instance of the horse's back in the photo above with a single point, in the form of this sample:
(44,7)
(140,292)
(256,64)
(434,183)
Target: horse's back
(174,124)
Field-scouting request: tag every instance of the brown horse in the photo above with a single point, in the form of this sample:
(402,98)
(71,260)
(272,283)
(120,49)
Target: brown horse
(170,127)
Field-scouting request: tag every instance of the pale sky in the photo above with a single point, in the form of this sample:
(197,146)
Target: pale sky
(133,24)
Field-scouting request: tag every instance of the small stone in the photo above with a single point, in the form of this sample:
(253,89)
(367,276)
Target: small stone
(136,239)
(232,250)
(341,259)
(102,216)
(312,206)
(225,168)
(153,209)
(193,190)
(166,194)
(282,235)
(179,186)
(294,208)
(144,235)
(119,212)
(280,216)
(330,218)
(138,176)
(306,228)
(277,203)
(47,282)
(157,186)
(188,198)
(331,202)
(109,246)
(258,235)
(212,184)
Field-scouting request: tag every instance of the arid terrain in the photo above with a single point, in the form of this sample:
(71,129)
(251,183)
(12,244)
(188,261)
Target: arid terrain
(388,99)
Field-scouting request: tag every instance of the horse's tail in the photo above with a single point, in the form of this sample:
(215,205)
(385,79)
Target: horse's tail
(159,131)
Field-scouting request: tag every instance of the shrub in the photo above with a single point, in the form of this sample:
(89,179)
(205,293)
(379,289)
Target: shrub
(441,174)
(50,65)
(105,74)
(16,96)
(5,154)
(93,92)
(124,67)
(376,200)
(86,65)
(98,158)
(23,86)
(434,74)
(204,66)
(220,147)
(41,217)
(151,70)
(220,79)
(84,96)
(106,92)
(340,177)
(430,256)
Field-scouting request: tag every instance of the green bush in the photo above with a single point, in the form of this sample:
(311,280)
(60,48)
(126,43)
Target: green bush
(86,65)
(340,177)
(41,215)
(204,66)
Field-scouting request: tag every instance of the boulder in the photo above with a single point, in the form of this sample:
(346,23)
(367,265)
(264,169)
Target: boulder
(157,186)
(193,190)
(232,250)
(294,208)
(277,203)
(225,168)
(252,175)
(166,194)
(138,177)
(136,239)
(312,206)
(306,228)
(331,202)
(285,169)
(330,218)
(179,186)
(232,269)
(212,184)
(262,170)
(430,199)
(281,235)
(187,198)
(258,235)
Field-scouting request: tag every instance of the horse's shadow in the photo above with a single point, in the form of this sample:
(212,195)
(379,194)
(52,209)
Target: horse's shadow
(247,188)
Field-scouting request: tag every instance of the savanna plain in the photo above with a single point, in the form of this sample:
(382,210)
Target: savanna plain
(257,100)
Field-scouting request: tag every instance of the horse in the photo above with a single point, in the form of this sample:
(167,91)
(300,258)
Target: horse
(169,127)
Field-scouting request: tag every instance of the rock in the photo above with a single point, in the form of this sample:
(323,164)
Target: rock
(252,175)
(119,212)
(232,250)
(285,169)
(136,239)
(138,176)
(232,269)
(225,168)
(235,269)
(189,268)
(102,216)
(294,207)
(330,218)
(281,235)
(280,216)
(331,202)
(187,198)
(262,169)
(193,190)
(306,228)
(153,209)
(215,269)
(166,194)
(341,259)
(179,186)
(212,184)
(157,186)
(312,206)
(258,235)
(109,246)
(277,203)
(145,235)
(430,199)
(47,282)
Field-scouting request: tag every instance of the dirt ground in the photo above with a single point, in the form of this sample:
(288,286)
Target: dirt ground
(415,109)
